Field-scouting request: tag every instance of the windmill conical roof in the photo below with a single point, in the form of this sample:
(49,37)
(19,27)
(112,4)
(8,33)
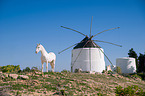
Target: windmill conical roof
(87,43)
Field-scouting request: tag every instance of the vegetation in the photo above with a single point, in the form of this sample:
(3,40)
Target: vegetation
(67,83)
(27,69)
(142,75)
(16,69)
(141,65)
(133,54)
(65,71)
(133,90)
(118,70)
(10,68)
(110,72)
(136,76)
(140,61)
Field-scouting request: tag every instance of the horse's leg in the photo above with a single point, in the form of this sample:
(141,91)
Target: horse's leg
(46,66)
(52,65)
(42,65)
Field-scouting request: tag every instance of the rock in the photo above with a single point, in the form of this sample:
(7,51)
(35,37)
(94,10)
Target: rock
(46,75)
(35,81)
(4,94)
(38,72)
(92,72)
(2,76)
(137,79)
(113,75)
(30,74)
(98,73)
(14,76)
(37,75)
(24,77)
(5,74)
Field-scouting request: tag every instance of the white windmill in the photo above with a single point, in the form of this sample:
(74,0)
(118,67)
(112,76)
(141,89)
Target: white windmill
(87,55)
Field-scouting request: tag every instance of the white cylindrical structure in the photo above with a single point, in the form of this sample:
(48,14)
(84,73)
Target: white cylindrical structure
(88,59)
(127,64)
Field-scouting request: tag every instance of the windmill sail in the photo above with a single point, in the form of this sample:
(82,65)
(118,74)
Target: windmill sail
(91,26)
(73,30)
(104,31)
(108,42)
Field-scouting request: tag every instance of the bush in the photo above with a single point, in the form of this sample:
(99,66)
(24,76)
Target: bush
(142,75)
(136,76)
(133,90)
(78,70)
(110,72)
(10,68)
(104,71)
(65,71)
(118,70)
(107,72)
(33,69)
(27,69)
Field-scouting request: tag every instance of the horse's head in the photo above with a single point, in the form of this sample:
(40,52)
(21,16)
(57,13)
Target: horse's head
(38,48)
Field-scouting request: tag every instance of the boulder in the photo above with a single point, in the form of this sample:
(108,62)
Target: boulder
(14,76)
(2,76)
(38,72)
(92,72)
(98,73)
(5,74)
(24,77)
(35,82)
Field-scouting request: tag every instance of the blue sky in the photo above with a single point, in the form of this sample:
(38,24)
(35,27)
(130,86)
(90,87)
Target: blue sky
(24,23)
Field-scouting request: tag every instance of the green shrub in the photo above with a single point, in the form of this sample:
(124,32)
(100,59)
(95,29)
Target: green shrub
(33,69)
(78,70)
(27,69)
(110,72)
(118,70)
(18,93)
(62,92)
(142,75)
(136,76)
(10,68)
(32,90)
(133,90)
(65,71)
(104,71)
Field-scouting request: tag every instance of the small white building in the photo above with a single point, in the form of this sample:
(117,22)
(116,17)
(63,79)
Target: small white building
(87,55)
(127,64)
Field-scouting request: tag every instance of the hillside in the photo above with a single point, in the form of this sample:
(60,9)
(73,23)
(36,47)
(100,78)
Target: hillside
(65,82)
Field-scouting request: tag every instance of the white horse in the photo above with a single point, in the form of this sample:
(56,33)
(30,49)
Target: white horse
(46,57)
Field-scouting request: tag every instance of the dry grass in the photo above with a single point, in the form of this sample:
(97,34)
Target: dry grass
(68,83)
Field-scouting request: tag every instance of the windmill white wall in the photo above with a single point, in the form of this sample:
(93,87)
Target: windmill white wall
(127,64)
(88,59)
